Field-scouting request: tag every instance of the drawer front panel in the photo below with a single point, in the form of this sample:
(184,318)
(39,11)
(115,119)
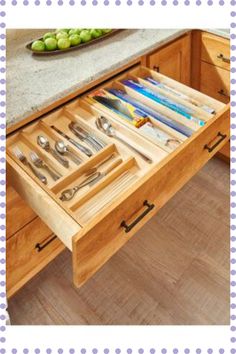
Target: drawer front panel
(28,251)
(215,50)
(18,212)
(95,245)
(43,204)
(215,82)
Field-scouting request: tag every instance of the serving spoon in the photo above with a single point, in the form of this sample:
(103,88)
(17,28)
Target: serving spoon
(104,125)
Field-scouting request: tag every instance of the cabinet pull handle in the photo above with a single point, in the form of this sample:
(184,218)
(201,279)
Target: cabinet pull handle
(223,58)
(211,148)
(156,68)
(222,93)
(40,246)
(139,218)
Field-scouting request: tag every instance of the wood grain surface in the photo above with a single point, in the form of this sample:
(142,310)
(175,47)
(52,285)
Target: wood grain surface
(175,270)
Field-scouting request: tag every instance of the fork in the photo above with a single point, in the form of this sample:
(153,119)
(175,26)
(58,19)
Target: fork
(19,154)
(38,162)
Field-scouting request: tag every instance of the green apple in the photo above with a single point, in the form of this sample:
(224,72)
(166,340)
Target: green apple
(49,35)
(85,36)
(61,35)
(74,31)
(66,30)
(51,43)
(75,39)
(38,46)
(95,33)
(63,43)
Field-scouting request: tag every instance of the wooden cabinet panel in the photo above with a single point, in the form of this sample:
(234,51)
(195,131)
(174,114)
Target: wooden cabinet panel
(23,258)
(224,153)
(215,82)
(173,60)
(210,70)
(18,212)
(215,50)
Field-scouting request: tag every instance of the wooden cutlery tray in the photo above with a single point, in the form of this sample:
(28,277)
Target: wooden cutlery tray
(101,217)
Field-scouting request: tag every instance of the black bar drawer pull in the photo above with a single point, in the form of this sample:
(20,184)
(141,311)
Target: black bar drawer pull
(40,246)
(211,148)
(222,93)
(223,58)
(139,218)
(156,68)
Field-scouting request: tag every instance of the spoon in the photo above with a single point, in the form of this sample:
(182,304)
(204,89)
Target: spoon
(64,149)
(44,143)
(104,125)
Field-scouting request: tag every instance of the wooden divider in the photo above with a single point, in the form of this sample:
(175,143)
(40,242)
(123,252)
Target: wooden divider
(188,91)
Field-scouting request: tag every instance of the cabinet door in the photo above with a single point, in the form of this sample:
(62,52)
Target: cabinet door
(173,60)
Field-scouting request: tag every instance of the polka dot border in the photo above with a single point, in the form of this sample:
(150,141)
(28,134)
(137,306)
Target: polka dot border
(38,3)
(232,179)
(118,2)
(2,176)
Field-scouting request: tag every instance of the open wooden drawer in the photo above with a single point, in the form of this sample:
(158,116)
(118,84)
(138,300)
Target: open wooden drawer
(102,217)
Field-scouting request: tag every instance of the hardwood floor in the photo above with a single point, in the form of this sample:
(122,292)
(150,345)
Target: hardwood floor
(175,270)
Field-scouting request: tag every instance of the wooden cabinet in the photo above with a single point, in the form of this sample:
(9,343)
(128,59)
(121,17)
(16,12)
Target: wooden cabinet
(28,251)
(173,60)
(210,70)
(215,50)
(215,67)
(215,82)
(29,245)
(102,217)
(19,213)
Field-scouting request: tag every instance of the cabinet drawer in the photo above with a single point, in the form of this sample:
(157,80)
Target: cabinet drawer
(215,50)
(18,212)
(215,82)
(28,251)
(103,217)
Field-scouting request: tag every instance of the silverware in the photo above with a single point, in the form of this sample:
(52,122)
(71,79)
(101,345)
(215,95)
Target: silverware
(44,143)
(69,193)
(90,135)
(85,136)
(105,126)
(64,149)
(38,162)
(116,163)
(82,148)
(18,153)
(95,169)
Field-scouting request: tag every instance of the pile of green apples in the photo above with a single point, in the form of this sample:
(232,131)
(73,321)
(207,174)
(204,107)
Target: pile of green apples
(65,38)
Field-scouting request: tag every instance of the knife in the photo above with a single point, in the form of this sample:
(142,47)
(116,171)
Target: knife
(82,148)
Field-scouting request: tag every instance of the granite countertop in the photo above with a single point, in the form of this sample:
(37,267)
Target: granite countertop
(35,82)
